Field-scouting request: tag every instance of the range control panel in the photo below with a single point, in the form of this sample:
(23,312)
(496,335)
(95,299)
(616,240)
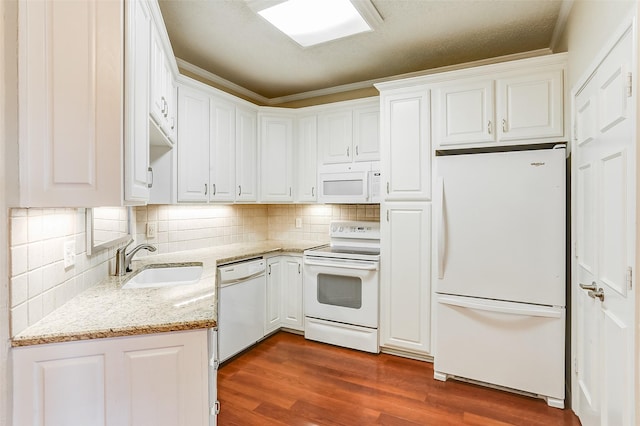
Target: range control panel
(354,229)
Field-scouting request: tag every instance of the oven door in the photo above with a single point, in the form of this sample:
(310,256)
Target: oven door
(341,290)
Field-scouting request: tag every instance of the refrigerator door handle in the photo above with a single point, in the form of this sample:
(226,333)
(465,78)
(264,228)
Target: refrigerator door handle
(511,308)
(441,237)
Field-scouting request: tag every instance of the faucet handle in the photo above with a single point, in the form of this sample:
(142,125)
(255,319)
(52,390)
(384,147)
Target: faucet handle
(124,248)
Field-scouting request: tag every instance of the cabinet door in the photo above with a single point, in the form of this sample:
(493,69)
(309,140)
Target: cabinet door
(222,161)
(406,150)
(292,308)
(70,62)
(464,114)
(335,136)
(307,160)
(136,158)
(193,149)
(366,133)
(246,155)
(165,380)
(274,291)
(405,281)
(276,154)
(171,121)
(64,384)
(530,106)
(157,78)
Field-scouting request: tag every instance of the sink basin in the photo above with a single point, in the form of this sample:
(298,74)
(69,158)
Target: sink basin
(165,276)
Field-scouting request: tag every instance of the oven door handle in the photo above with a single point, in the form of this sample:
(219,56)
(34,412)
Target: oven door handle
(369,266)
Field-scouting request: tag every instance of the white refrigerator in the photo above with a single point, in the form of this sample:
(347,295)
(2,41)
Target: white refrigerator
(500,289)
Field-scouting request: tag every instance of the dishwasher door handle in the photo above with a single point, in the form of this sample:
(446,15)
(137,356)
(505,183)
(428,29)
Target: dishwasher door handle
(239,280)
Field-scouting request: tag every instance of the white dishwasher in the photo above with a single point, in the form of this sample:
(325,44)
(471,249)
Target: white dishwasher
(241,306)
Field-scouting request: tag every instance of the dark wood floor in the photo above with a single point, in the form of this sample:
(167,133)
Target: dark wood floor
(287,380)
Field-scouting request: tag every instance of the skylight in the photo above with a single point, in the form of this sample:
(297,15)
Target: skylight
(311,22)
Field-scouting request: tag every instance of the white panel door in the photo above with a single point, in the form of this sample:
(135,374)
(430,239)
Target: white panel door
(405,146)
(463,114)
(531,106)
(246,155)
(136,158)
(276,158)
(71,89)
(604,297)
(366,133)
(275,275)
(335,136)
(307,159)
(291,296)
(193,149)
(405,276)
(222,151)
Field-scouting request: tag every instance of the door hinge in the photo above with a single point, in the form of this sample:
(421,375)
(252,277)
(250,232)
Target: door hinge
(215,409)
(215,364)
(629,84)
(575,249)
(630,278)
(575,365)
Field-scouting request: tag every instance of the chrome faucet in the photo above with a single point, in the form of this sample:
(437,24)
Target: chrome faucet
(123,259)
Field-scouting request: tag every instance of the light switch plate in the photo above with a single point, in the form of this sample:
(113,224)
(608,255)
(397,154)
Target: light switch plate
(152,228)
(298,222)
(69,254)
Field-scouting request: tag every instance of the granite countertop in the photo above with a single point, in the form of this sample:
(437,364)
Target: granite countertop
(106,310)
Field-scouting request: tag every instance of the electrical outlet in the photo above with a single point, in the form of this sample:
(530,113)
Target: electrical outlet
(298,222)
(69,253)
(152,228)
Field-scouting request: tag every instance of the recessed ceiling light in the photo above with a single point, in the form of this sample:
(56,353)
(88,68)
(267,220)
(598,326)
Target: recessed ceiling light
(311,22)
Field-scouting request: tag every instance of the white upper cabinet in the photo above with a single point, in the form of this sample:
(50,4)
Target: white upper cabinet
(518,102)
(136,158)
(222,150)
(246,154)
(193,149)
(405,145)
(464,113)
(70,105)
(306,159)
(366,133)
(162,95)
(276,157)
(335,134)
(531,106)
(349,132)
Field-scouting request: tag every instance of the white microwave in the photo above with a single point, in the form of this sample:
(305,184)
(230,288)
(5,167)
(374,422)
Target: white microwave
(353,183)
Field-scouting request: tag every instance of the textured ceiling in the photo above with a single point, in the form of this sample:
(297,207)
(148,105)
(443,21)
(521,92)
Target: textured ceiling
(226,38)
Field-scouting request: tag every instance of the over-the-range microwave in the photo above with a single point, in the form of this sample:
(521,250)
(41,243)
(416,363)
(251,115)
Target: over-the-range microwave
(352,183)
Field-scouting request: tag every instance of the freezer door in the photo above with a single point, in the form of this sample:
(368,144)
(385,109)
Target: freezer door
(516,345)
(500,226)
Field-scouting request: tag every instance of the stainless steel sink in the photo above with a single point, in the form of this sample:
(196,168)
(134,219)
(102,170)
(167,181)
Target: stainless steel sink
(165,275)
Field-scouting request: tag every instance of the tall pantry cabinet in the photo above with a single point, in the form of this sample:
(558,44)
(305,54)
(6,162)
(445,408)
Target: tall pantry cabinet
(405,282)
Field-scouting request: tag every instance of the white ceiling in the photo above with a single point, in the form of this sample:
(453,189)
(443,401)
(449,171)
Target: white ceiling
(227,39)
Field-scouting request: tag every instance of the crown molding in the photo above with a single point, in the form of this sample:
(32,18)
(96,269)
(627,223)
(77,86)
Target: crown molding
(352,86)
(561,23)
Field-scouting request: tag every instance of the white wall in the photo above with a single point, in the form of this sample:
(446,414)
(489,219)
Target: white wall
(590,25)
(5,379)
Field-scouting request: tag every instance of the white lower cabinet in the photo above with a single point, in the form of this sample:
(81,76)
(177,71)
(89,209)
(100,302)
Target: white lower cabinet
(284,294)
(158,379)
(405,280)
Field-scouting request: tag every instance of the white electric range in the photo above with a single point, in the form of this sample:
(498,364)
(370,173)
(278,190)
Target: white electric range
(341,287)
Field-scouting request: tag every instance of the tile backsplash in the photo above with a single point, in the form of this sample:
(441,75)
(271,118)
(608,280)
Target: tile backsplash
(40,283)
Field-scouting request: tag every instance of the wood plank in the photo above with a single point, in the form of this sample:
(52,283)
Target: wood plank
(286,379)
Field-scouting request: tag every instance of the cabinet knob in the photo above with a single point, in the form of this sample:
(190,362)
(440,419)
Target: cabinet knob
(489,126)
(205,189)
(312,191)
(214,189)
(357,151)
(504,125)
(239,190)
(347,151)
